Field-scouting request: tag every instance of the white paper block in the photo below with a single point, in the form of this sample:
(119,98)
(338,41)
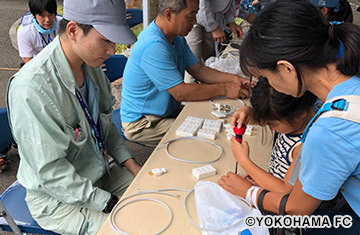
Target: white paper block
(203,171)
(206,133)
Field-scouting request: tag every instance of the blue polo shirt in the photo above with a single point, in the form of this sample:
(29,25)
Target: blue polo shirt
(154,66)
(331,154)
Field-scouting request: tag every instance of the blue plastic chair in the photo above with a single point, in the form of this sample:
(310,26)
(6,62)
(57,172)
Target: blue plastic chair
(134,16)
(6,137)
(117,121)
(14,213)
(114,67)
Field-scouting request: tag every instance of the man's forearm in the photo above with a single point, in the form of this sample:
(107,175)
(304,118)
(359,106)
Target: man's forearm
(208,75)
(197,92)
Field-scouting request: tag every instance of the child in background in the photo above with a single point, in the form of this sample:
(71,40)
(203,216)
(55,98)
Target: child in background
(37,29)
(335,11)
(284,114)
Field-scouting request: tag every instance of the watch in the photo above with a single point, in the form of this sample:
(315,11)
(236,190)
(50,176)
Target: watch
(110,204)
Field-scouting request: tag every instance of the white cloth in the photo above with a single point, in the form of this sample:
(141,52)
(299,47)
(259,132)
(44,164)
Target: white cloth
(30,41)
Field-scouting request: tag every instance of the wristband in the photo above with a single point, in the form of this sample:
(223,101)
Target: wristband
(110,204)
(282,204)
(251,195)
(261,199)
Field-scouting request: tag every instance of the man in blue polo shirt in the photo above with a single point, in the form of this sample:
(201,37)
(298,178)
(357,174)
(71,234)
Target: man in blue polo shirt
(153,81)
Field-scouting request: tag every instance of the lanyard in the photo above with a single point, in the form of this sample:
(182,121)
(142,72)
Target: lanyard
(96,128)
(44,42)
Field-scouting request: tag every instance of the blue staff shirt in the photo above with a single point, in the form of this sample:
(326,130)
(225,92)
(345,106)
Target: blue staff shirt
(154,66)
(331,154)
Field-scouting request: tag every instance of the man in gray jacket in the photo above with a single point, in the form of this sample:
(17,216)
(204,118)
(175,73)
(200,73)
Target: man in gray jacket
(213,19)
(60,109)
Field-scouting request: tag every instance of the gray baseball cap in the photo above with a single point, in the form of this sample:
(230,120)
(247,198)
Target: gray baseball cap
(106,16)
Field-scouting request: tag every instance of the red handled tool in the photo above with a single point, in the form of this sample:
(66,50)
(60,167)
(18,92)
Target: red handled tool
(239,132)
(238,136)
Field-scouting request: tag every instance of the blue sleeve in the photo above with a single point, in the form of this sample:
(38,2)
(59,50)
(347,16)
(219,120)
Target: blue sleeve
(156,62)
(326,162)
(189,57)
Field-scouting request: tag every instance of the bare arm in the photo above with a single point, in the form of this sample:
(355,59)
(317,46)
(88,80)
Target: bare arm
(197,92)
(262,178)
(208,75)
(299,203)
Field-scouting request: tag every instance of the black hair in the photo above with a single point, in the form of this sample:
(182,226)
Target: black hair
(344,14)
(296,31)
(63,23)
(37,7)
(269,104)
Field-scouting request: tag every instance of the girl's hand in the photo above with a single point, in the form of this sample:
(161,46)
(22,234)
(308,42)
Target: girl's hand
(240,151)
(234,184)
(242,116)
(255,2)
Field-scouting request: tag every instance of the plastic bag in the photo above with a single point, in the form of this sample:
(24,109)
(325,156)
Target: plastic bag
(217,208)
(229,64)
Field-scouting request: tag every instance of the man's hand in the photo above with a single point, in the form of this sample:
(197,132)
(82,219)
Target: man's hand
(132,166)
(219,35)
(235,90)
(234,184)
(236,29)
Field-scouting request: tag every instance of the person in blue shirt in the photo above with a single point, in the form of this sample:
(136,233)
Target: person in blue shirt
(335,10)
(153,81)
(296,48)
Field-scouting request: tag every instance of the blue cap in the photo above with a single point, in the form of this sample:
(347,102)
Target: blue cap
(325,3)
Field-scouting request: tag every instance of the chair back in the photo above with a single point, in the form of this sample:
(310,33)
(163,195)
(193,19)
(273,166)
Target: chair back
(117,121)
(134,16)
(13,199)
(6,137)
(114,67)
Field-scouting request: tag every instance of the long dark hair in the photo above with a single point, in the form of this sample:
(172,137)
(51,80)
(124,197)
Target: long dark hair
(295,30)
(269,104)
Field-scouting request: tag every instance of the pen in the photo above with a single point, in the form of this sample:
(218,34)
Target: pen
(236,166)
(77,130)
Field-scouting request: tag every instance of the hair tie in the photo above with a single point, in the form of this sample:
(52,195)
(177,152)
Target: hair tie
(341,49)
(331,36)
(331,31)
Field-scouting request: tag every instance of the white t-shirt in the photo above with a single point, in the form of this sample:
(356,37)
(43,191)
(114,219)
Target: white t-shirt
(30,41)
